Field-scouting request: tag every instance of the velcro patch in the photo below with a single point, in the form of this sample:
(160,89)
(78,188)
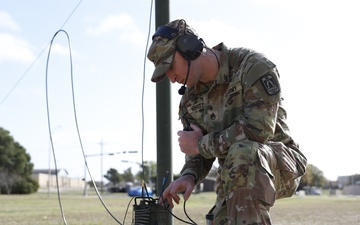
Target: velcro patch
(270,84)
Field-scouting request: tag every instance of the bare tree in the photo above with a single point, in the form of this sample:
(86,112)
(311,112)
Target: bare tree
(7,181)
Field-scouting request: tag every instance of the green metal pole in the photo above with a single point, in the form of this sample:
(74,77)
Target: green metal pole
(163,112)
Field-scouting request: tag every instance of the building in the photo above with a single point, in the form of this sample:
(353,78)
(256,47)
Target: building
(350,184)
(206,185)
(47,179)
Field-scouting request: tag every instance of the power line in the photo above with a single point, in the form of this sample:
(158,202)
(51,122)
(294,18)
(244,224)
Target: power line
(37,58)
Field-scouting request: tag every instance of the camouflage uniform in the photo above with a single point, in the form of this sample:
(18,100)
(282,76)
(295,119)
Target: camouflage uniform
(244,128)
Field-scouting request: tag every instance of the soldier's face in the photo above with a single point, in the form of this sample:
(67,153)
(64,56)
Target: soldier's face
(178,70)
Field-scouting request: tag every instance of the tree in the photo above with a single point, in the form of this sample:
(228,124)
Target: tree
(113,176)
(313,177)
(127,175)
(15,167)
(146,168)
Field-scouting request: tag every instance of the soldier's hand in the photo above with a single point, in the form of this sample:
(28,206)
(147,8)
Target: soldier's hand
(184,184)
(188,140)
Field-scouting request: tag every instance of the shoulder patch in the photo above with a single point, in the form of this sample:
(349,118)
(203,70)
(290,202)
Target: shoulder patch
(270,84)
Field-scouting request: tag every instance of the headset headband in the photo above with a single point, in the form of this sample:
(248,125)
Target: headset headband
(166,32)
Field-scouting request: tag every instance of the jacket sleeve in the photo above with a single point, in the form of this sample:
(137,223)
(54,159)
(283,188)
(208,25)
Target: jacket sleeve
(197,166)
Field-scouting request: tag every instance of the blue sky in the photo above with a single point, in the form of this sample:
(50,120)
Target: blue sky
(313,43)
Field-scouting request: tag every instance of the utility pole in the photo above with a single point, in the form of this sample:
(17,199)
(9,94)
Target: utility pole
(163,112)
(101,154)
(101,166)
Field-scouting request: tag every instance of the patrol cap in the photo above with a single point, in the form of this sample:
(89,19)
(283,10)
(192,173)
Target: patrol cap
(163,47)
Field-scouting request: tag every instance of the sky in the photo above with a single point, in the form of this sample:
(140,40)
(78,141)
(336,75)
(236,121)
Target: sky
(313,43)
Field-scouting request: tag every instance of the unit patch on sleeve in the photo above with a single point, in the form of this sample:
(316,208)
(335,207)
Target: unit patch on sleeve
(270,84)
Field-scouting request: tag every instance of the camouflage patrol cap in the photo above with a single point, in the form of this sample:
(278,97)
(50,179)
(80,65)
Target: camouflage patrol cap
(163,47)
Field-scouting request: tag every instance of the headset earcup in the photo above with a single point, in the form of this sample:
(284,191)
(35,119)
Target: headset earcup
(189,46)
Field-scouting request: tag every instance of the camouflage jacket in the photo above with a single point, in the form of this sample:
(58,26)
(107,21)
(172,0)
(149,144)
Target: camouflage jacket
(243,103)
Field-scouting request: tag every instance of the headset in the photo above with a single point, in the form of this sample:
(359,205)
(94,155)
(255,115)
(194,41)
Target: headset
(187,44)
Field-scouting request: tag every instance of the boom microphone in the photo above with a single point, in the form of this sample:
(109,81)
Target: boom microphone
(183,88)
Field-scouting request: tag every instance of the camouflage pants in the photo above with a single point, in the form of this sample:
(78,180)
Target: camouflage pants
(246,188)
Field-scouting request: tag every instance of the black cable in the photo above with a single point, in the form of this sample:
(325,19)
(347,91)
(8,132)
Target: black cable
(167,205)
(166,175)
(127,208)
(188,215)
(217,58)
(181,220)
(181,91)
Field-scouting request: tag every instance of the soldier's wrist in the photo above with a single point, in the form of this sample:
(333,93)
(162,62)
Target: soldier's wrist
(193,175)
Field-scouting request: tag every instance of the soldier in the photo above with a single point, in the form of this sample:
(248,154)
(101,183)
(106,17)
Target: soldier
(231,111)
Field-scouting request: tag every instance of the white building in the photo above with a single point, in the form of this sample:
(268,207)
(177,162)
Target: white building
(47,179)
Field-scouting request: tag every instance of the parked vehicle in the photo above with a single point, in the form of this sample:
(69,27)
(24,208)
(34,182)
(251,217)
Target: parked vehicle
(138,191)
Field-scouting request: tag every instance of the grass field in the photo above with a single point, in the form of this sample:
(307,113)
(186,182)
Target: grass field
(39,209)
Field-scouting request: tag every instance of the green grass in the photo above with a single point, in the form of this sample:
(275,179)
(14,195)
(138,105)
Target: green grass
(39,209)
(317,210)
